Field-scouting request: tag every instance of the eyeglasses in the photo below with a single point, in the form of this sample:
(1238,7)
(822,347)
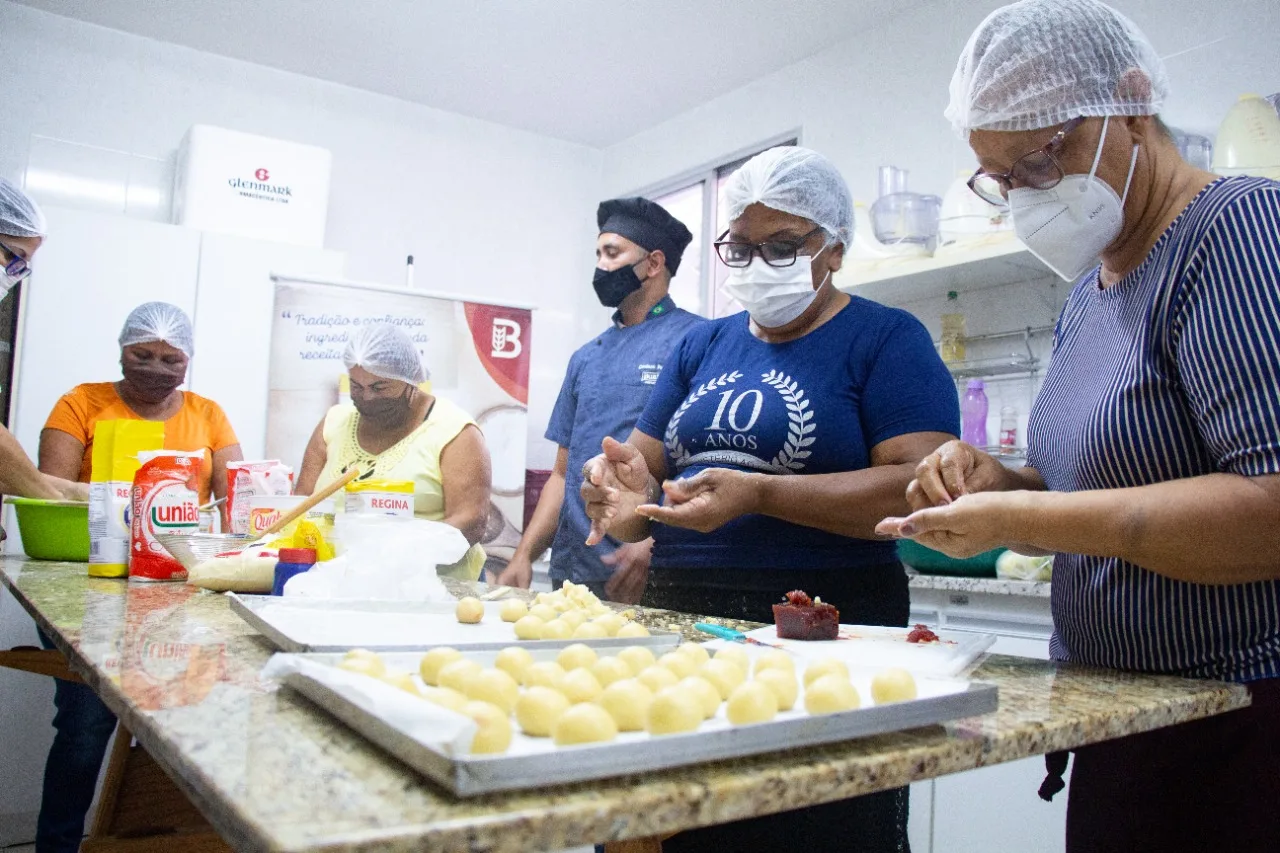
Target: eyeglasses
(775,253)
(1039,170)
(16,267)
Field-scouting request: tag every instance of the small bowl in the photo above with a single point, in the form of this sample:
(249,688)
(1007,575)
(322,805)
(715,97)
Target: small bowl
(192,549)
(53,530)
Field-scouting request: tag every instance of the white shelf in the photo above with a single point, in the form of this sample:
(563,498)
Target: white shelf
(999,261)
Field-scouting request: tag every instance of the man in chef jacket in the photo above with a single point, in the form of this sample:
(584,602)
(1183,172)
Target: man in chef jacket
(605,388)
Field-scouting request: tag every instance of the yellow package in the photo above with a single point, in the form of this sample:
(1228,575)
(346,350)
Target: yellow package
(307,533)
(116,445)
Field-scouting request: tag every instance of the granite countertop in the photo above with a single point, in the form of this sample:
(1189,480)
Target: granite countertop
(988,586)
(272,772)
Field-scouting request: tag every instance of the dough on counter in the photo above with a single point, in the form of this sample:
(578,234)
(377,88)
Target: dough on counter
(529,628)
(657,677)
(543,673)
(514,660)
(494,732)
(513,610)
(610,669)
(638,658)
(364,662)
(785,686)
(827,666)
(584,723)
(830,694)
(627,701)
(495,687)
(673,711)
(708,694)
(893,685)
(435,660)
(696,652)
(723,674)
(751,702)
(577,656)
(775,659)
(470,610)
(252,571)
(579,685)
(538,709)
(682,665)
(457,675)
(631,630)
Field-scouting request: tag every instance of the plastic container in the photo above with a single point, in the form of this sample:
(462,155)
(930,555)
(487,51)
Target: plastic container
(930,562)
(1196,150)
(1008,429)
(53,530)
(381,497)
(904,221)
(966,218)
(973,415)
(1249,140)
(292,562)
(953,331)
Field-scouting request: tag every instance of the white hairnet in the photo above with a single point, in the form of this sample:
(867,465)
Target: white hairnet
(158,321)
(797,181)
(20,216)
(1038,63)
(387,352)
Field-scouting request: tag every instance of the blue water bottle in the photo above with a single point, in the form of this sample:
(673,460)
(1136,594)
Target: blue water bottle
(292,561)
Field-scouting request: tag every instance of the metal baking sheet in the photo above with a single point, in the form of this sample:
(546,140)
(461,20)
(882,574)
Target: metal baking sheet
(537,762)
(311,625)
(865,646)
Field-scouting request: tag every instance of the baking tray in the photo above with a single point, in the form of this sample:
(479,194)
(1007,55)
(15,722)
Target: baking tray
(863,646)
(537,762)
(314,625)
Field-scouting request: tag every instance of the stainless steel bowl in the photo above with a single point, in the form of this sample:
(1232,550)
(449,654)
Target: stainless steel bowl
(192,549)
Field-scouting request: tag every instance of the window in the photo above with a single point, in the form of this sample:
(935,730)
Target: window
(695,201)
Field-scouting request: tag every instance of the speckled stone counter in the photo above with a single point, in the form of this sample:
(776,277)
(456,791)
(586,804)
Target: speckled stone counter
(272,772)
(985,586)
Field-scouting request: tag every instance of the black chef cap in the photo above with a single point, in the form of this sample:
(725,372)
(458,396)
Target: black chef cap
(646,224)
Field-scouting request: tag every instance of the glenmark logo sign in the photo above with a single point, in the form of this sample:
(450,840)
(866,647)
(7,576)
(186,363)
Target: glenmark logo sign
(261,188)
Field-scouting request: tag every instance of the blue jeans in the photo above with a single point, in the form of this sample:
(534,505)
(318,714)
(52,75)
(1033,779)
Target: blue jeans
(84,726)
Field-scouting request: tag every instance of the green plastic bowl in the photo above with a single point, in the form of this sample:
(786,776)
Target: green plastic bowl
(53,530)
(930,562)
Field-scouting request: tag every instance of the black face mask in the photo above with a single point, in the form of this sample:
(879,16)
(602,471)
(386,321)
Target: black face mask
(386,412)
(613,286)
(153,384)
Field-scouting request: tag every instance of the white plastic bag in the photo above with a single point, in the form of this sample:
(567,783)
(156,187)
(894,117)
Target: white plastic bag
(1019,567)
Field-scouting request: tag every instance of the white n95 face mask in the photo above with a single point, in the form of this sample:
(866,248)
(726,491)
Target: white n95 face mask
(773,296)
(1068,226)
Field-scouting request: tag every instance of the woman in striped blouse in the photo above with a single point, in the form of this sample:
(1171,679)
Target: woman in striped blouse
(1154,446)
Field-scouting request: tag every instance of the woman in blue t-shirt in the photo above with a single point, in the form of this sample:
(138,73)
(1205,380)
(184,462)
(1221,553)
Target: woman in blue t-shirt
(781,436)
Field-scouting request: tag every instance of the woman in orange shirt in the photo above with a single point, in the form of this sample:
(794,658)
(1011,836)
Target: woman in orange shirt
(155,348)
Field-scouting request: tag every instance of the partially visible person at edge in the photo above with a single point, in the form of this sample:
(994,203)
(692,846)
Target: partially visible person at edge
(405,433)
(156,345)
(1154,446)
(22,232)
(604,391)
(792,428)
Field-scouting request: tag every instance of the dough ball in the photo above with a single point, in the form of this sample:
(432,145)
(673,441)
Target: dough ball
(736,655)
(364,662)
(682,665)
(724,675)
(830,666)
(494,732)
(893,685)
(495,687)
(784,685)
(673,711)
(435,660)
(631,630)
(610,669)
(529,628)
(545,612)
(544,598)
(696,652)
(556,629)
(585,723)
(538,709)
(627,701)
(470,610)
(513,610)
(751,702)
(590,631)
(657,677)
(457,675)
(706,692)
(543,673)
(577,656)
(775,659)
(830,694)
(611,623)
(638,658)
(402,681)
(445,698)
(579,685)
(513,660)
(573,618)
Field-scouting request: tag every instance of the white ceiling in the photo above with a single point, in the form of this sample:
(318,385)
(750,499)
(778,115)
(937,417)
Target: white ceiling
(590,71)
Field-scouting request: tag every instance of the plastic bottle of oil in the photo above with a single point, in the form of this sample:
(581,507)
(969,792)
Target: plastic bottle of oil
(953,331)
